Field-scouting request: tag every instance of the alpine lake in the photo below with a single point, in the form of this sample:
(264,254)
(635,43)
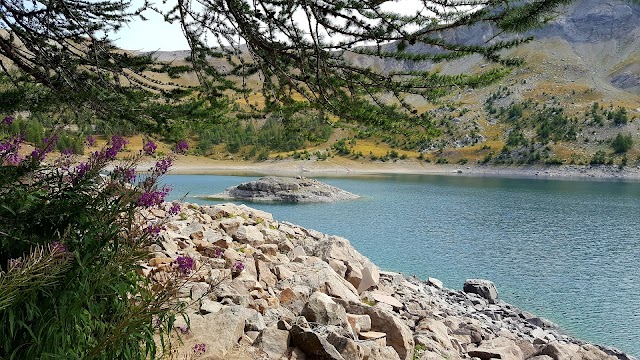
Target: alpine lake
(566,250)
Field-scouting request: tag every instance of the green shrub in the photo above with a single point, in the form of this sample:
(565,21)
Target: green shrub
(622,143)
(599,158)
(70,242)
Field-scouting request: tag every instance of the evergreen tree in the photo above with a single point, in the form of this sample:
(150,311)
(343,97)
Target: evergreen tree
(308,48)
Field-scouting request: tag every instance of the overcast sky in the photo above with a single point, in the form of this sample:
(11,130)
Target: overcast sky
(150,35)
(156,34)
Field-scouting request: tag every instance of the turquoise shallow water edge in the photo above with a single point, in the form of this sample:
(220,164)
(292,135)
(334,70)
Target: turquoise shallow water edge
(565,250)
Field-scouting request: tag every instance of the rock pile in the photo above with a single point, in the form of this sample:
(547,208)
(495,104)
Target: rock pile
(285,189)
(263,289)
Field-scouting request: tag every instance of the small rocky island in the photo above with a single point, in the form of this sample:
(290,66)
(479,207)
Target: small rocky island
(285,189)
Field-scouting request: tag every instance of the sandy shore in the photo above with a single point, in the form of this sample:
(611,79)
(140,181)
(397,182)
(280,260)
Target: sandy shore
(341,167)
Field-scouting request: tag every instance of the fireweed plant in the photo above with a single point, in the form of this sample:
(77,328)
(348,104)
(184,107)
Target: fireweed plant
(71,239)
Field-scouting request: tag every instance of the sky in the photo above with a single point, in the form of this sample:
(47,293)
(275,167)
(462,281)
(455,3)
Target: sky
(156,34)
(153,34)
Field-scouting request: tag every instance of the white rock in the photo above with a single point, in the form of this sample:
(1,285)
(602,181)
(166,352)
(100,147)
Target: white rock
(370,277)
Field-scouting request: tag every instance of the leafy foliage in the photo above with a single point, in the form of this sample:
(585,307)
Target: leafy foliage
(316,57)
(70,241)
(622,143)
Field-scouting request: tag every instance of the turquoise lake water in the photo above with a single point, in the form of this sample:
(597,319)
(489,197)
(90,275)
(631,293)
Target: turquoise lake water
(565,250)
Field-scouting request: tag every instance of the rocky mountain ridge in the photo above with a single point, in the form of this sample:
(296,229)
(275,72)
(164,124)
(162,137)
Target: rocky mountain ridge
(263,289)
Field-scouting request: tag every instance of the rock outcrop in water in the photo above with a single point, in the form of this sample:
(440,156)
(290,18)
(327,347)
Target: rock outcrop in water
(285,189)
(263,289)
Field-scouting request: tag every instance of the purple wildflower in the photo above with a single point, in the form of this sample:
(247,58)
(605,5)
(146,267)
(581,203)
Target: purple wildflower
(8,120)
(219,253)
(91,141)
(126,174)
(117,144)
(200,348)
(13,159)
(67,152)
(149,148)
(47,146)
(59,249)
(175,208)
(163,166)
(153,198)
(9,151)
(182,147)
(81,170)
(153,230)
(183,329)
(237,267)
(185,264)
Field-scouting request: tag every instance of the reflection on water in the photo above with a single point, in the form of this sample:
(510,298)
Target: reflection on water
(566,250)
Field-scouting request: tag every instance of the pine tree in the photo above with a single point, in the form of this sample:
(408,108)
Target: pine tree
(317,49)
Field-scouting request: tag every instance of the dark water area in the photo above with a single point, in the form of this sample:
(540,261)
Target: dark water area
(565,250)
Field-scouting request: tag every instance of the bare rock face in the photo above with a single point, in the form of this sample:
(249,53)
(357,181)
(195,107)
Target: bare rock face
(285,189)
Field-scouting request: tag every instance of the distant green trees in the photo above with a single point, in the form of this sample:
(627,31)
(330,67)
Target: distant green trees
(274,134)
(622,143)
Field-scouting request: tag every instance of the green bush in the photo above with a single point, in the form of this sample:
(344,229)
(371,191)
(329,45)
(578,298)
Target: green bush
(70,242)
(599,158)
(622,143)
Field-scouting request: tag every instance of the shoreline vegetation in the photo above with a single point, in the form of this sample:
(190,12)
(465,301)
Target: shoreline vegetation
(340,167)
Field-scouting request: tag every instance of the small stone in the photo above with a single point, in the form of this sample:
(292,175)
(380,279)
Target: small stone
(209,306)
(379,338)
(160,261)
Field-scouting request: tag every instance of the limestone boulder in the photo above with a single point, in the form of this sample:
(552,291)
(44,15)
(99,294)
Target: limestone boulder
(500,347)
(265,276)
(226,324)
(370,277)
(249,235)
(484,288)
(320,308)
(399,336)
(359,323)
(313,345)
(438,331)
(373,351)
(273,341)
(319,276)
(347,347)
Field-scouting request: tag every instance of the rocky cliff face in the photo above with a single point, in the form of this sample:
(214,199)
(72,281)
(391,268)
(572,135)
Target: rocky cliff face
(593,21)
(263,289)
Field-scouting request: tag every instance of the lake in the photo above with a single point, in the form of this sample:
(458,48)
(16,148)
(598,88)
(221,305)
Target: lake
(565,250)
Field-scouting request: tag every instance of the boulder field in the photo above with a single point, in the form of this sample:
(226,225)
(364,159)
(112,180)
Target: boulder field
(265,289)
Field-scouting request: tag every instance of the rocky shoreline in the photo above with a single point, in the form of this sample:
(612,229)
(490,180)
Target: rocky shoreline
(284,189)
(264,289)
(348,167)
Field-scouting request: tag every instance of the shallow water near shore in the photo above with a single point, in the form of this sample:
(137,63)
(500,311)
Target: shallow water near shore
(565,250)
